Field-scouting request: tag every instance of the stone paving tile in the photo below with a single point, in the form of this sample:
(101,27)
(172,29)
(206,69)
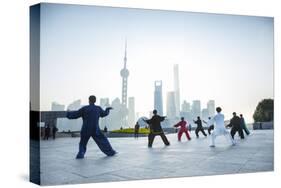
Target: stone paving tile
(135,161)
(253,166)
(58,177)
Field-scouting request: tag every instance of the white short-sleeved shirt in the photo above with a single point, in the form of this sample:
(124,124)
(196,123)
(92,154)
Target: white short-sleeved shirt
(218,121)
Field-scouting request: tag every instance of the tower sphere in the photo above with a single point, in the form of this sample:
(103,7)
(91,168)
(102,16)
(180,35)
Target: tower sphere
(124,73)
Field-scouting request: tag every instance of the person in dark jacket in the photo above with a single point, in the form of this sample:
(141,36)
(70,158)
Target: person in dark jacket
(199,127)
(156,129)
(243,125)
(47,132)
(54,131)
(90,128)
(189,128)
(137,127)
(235,124)
(105,129)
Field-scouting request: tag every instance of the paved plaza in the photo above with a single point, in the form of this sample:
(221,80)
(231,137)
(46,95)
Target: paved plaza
(136,161)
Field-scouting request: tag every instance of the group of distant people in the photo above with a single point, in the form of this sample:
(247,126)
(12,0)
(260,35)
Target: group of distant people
(90,128)
(48,131)
(215,124)
(237,124)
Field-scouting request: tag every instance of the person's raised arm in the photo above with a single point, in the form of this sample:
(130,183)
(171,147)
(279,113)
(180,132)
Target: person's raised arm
(162,118)
(74,114)
(105,112)
(178,124)
(148,121)
(230,123)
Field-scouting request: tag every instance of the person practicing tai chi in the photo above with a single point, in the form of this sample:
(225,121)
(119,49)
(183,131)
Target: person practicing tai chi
(210,125)
(156,129)
(243,125)
(47,132)
(183,129)
(137,128)
(219,128)
(235,124)
(199,127)
(189,128)
(90,128)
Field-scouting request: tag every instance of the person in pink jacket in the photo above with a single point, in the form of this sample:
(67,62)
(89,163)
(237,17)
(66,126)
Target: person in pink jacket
(182,124)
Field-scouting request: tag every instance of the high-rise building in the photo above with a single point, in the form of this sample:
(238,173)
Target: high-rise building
(187,116)
(211,107)
(75,105)
(205,113)
(196,108)
(115,116)
(186,111)
(73,125)
(104,102)
(171,106)
(177,89)
(57,107)
(131,112)
(158,100)
(185,107)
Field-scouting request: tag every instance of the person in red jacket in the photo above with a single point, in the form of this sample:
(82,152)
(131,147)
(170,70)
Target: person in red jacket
(183,129)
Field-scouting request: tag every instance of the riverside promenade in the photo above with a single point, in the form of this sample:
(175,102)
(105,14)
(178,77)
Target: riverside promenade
(135,161)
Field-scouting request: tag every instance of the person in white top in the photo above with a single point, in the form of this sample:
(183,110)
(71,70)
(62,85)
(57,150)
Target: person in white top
(219,128)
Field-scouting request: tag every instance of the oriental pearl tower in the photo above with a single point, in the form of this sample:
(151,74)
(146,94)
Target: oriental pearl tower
(124,74)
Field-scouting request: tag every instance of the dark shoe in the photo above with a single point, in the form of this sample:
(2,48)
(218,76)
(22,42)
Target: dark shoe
(79,156)
(112,154)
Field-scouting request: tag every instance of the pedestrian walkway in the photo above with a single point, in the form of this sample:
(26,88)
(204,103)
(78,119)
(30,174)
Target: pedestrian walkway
(135,161)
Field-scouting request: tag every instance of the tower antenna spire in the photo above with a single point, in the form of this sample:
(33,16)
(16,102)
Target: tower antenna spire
(125,57)
(124,73)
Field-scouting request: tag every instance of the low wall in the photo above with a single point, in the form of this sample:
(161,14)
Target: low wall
(263,125)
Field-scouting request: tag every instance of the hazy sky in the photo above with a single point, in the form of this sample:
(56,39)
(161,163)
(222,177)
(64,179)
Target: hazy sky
(222,57)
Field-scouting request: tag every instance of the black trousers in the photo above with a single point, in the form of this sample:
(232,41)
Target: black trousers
(210,128)
(244,128)
(136,134)
(200,129)
(237,129)
(151,137)
(54,135)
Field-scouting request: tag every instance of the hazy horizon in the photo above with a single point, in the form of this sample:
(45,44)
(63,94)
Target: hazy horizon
(224,58)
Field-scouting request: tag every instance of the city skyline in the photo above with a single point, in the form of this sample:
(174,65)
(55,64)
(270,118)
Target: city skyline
(217,60)
(209,107)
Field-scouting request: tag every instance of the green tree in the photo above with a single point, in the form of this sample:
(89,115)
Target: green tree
(264,111)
